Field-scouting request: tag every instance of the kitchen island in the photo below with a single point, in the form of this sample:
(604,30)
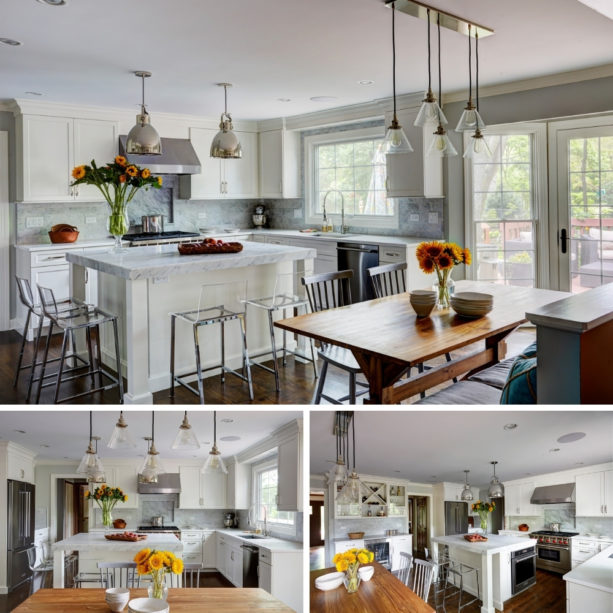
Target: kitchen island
(143,285)
(589,586)
(493,560)
(93,547)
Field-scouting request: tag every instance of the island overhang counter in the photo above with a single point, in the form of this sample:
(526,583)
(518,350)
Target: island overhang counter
(491,558)
(93,547)
(143,285)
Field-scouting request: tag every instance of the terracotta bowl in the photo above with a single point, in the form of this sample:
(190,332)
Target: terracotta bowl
(119,524)
(63,234)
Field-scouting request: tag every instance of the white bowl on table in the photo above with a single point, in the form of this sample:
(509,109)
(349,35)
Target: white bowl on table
(330,581)
(366,572)
(147,605)
(117,598)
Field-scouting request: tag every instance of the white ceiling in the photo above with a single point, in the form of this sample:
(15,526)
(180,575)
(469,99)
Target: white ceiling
(84,52)
(434,446)
(67,432)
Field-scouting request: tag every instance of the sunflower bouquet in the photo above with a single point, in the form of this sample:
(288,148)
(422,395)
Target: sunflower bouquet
(348,562)
(483,509)
(106,498)
(118,181)
(440,257)
(157,564)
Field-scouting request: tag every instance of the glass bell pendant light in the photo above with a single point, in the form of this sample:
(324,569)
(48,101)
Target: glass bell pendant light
(351,491)
(467,493)
(186,438)
(430,111)
(396,140)
(440,146)
(214,462)
(143,138)
(90,464)
(121,438)
(496,489)
(477,147)
(470,118)
(152,466)
(225,143)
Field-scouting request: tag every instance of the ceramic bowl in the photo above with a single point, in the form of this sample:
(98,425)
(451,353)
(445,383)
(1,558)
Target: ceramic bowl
(422,309)
(117,598)
(148,605)
(366,572)
(329,581)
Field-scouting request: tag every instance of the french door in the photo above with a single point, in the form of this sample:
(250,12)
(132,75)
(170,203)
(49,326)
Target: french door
(581,168)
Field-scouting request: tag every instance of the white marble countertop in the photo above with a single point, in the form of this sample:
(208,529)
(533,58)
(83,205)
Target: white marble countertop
(597,572)
(87,541)
(163,261)
(361,238)
(100,242)
(495,543)
(593,537)
(511,532)
(369,537)
(270,543)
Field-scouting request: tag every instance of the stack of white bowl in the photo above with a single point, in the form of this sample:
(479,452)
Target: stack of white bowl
(423,301)
(148,605)
(117,598)
(472,304)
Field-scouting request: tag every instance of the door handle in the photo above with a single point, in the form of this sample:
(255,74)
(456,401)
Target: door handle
(563,239)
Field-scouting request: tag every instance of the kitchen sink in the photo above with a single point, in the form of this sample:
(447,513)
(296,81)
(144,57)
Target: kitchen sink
(251,536)
(332,234)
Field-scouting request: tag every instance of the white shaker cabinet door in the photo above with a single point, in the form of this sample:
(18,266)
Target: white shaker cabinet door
(213,489)
(589,495)
(240,176)
(207,184)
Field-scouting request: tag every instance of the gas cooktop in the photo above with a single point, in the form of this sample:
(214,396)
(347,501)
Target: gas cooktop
(152,236)
(552,533)
(158,528)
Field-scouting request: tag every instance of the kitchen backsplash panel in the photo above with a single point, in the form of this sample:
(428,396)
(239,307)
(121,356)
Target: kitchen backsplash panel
(372,526)
(601,526)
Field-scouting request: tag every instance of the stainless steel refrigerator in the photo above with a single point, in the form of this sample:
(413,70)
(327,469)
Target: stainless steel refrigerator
(456,518)
(20,531)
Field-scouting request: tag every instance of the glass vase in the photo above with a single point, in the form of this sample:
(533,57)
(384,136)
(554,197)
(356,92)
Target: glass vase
(107,517)
(483,523)
(158,588)
(352,580)
(118,224)
(444,288)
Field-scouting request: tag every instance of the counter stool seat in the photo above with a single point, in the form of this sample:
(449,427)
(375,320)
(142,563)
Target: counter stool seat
(458,570)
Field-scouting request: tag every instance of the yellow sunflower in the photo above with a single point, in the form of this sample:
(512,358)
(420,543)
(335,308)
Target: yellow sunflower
(467,256)
(363,558)
(156,561)
(142,555)
(78,172)
(119,159)
(342,566)
(177,566)
(160,181)
(132,171)
(145,173)
(143,569)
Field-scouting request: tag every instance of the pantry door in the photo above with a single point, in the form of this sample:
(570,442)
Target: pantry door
(581,167)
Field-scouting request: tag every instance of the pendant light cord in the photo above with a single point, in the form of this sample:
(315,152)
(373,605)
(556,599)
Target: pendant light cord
(215,428)
(470,69)
(152,427)
(429,56)
(440,87)
(394,56)
(477,67)
(225,97)
(353,428)
(143,92)
(90,426)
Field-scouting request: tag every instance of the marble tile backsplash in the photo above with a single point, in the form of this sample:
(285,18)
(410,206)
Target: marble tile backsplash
(372,526)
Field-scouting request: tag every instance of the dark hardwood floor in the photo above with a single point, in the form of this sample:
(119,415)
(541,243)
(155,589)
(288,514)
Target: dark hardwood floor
(296,379)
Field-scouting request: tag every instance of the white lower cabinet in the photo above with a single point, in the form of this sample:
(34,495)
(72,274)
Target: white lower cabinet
(342,546)
(209,549)
(280,574)
(583,549)
(264,572)
(235,565)
(398,546)
(220,555)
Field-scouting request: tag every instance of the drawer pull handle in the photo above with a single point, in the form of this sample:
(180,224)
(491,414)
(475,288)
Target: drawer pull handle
(55,257)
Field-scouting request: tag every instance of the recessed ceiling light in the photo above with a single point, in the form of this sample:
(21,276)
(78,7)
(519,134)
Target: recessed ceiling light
(396,471)
(579,463)
(230,438)
(67,458)
(53,2)
(227,420)
(20,431)
(323,98)
(510,426)
(554,450)
(366,82)
(284,99)
(45,446)
(10,42)
(571,437)
(33,93)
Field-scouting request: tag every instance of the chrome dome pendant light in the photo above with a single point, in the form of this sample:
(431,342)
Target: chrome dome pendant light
(151,467)
(430,111)
(225,144)
(396,140)
(496,489)
(466,494)
(214,462)
(470,118)
(121,438)
(477,146)
(90,464)
(185,439)
(440,146)
(143,138)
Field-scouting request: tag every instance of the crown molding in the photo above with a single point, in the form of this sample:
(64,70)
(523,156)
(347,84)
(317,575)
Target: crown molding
(268,445)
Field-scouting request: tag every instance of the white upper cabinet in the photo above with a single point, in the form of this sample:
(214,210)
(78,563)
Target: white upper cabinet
(224,178)
(125,477)
(49,147)
(413,174)
(200,491)
(594,494)
(517,500)
(289,489)
(279,164)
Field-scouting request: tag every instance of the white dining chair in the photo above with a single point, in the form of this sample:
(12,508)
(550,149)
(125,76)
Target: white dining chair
(404,572)
(422,578)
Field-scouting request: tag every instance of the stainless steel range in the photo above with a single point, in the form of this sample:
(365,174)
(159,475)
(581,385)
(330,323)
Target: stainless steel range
(553,550)
(160,530)
(144,239)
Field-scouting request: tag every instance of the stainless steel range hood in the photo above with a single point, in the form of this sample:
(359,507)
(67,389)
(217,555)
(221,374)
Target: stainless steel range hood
(178,157)
(168,483)
(552,494)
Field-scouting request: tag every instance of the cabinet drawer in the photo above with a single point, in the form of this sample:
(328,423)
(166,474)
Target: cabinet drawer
(190,536)
(192,546)
(265,556)
(277,241)
(192,558)
(48,258)
(392,254)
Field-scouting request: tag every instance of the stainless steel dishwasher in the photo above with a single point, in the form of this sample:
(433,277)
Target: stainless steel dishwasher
(250,565)
(358,257)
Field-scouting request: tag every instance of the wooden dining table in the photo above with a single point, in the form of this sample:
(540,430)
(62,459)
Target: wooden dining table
(181,600)
(384,593)
(386,337)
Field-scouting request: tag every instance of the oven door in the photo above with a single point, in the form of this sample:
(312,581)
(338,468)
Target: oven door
(550,557)
(523,571)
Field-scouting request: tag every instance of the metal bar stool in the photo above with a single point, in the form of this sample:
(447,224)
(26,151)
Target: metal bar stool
(27,299)
(119,574)
(219,303)
(68,322)
(441,564)
(282,298)
(458,570)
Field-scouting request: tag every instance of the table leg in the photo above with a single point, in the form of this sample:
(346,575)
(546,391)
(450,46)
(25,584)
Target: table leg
(487,585)
(379,373)
(136,336)
(58,569)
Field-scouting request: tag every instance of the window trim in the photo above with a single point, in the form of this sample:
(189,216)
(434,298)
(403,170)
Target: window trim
(287,529)
(538,131)
(310,143)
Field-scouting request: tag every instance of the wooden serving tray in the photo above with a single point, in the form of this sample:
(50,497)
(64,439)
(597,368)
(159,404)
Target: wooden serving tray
(123,537)
(475,538)
(206,248)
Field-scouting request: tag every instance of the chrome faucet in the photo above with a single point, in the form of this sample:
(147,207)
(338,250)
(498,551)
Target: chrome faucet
(344,228)
(265,526)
